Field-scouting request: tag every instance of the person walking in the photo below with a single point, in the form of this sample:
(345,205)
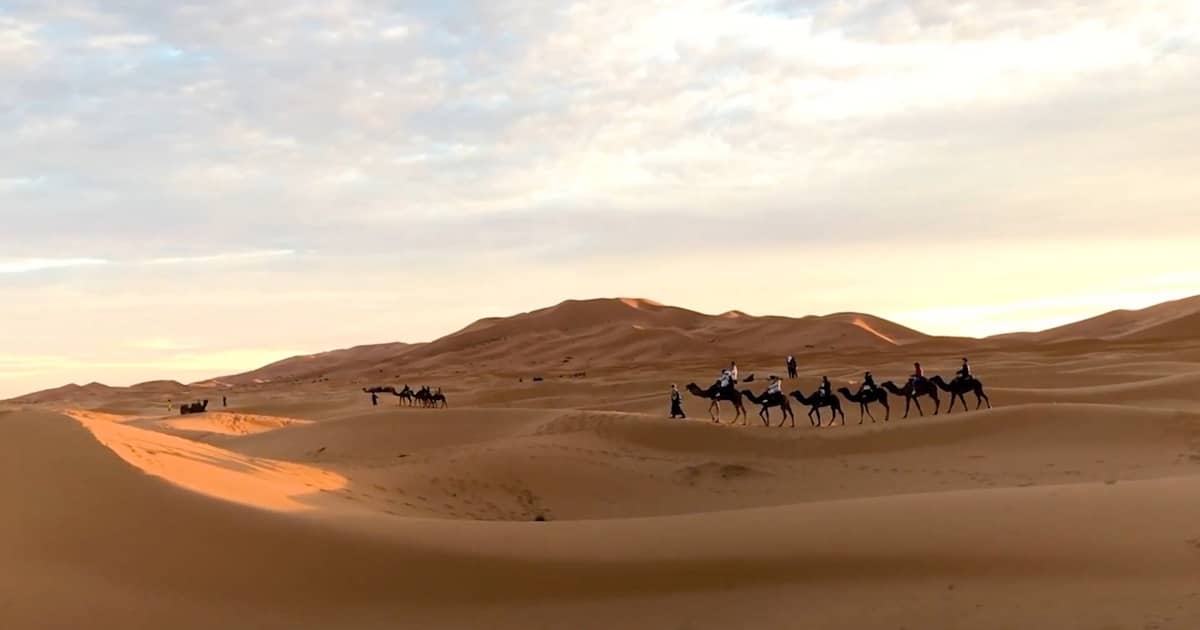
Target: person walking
(374,399)
(676,403)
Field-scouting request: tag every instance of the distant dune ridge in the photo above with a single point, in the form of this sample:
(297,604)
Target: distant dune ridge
(1168,320)
(616,332)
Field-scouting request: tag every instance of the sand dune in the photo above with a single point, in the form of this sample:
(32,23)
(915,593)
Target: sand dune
(1068,505)
(1170,320)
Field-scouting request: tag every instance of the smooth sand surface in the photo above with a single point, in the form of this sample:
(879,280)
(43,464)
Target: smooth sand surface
(1073,503)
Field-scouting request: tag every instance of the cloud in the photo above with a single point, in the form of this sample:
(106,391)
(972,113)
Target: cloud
(31,265)
(223,258)
(119,41)
(14,184)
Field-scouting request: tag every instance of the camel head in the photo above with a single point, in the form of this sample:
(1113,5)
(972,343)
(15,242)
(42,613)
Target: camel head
(694,389)
(844,391)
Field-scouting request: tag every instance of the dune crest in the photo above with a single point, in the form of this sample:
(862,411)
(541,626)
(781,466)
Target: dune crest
(212,471)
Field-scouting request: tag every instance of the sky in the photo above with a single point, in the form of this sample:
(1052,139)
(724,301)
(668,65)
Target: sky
(189,189)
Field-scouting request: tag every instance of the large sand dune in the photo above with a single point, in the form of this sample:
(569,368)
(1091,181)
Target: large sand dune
(1070,504)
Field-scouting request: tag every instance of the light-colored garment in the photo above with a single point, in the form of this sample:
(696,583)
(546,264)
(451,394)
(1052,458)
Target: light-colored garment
(733,373)
(775,387)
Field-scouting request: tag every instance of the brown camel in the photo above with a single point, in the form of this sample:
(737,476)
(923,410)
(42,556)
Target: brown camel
(716,396)
(959,387)
(815,402)
(864,400)
(912,395)
(771,401)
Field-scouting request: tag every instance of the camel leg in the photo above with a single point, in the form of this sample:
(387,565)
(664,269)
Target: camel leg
(715,417)
(918,404)
(980,396)
(887,407)
(937,403)
(872,416)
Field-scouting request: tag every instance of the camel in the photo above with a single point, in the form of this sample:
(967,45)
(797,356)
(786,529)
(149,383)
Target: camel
(864,400)
(438,400)
(716,396)
(771,401)
(958,388)
(816,401)
(405,395)
(380,390)
(923,388)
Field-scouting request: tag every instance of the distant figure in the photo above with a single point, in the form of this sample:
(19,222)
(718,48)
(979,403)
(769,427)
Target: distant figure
(964,373)
(224,401)
(374,399)
(676,403)
(791,367)
(169,406)
(826,387)
(868,384)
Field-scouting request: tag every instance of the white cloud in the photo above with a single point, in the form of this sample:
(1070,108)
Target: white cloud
(222,258)
(13,184)
(117,41)
(30,265)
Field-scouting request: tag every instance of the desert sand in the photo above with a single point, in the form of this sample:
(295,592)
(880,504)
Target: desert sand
(1070,504)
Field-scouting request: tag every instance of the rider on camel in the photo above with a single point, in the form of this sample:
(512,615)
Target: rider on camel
(918,376)
(868,384)
(733,372)
(724,382)
(826,390)
(964,373)
(775,387)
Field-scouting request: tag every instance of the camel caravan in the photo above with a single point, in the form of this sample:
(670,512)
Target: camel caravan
(195,407)
(424,397)
(918,386)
